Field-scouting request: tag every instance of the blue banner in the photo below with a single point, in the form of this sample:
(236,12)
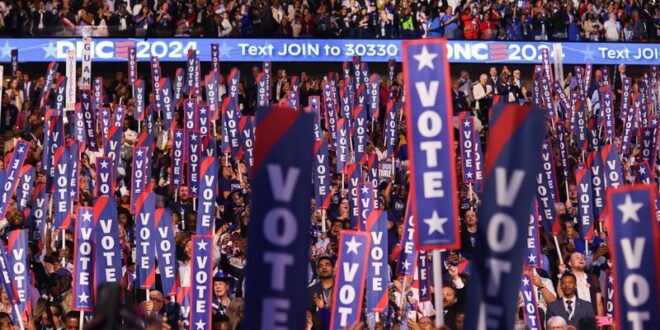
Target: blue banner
(378,275)
(281,195)
(167,105)
(178,151)
(365,203)
(328,50)
(595,164)
(194,160)
(585,203)
(107,255)
(431,144)
(212,97)
(89,120)
(25,188)
(139,91)
(144,231)
(613,173)
(512,162)
(321,175)
(165,250)
(104,177)
(530,305)
(201,281)
(532,257)
(408,256)
(354,174)
(50,76)
(74,171)
(12,171)
(208,187)
(246,138)
(466,125)
(83,261)
(139,176)
(342,144)
(112,147)
(17,253)
(360,133)
(391,127)
(634,241)
(350,273)
(423,277)
(62,203)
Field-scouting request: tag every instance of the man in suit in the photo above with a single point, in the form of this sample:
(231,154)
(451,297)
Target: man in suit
(483,95)
(571,308)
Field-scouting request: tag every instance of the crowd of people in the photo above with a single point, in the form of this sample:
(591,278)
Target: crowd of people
(565,20)
(577,279)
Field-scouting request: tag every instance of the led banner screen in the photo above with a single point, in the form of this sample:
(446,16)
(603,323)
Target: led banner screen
(315,50)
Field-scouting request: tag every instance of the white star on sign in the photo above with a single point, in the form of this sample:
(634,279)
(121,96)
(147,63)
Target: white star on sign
(545,146)
(423,291)
(365,189)
(405,264)
(468,175)
(525,281)
(190,104)
(425,59)
(647,133)
(104,164)
(654,121)
(200,324)
(532,258)
(193,190)
(629,209)
(193,137)
(435,223)
(353,245)
(21,149)
(178,134)
(83,297)
(139,152)
(642,170)
(202,245)
(86,216)
(466,123)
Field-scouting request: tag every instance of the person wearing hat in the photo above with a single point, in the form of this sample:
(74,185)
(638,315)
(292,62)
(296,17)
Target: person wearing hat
(221,286)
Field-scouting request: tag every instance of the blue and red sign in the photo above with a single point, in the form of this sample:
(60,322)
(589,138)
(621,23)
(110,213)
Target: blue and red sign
(279,244)
(144,231)
(634,242)
(430,144)
(512,162)
(83,260)
(349,279)
(106,240)
(378,275)
(201,279)
(208,187)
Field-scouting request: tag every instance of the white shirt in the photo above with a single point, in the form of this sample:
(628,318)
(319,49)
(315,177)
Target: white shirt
(612,30)
(583,287)
(573,300)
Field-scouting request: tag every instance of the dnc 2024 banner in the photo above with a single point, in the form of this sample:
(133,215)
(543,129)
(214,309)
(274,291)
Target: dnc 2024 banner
(315,50)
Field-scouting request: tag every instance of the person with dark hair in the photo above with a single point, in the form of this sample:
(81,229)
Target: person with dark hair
(570,307)
(72,320)
(6,322)
(319,293)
